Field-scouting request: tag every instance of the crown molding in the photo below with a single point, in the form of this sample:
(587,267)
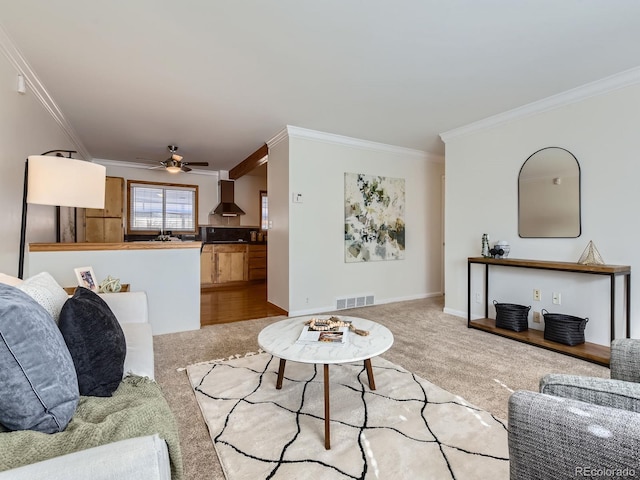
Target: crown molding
(578,94)
(144,166)
(277,138)
(291,131)
(33,82)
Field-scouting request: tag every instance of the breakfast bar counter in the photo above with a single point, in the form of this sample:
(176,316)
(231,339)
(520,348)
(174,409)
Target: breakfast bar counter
(77,247)
(169,272)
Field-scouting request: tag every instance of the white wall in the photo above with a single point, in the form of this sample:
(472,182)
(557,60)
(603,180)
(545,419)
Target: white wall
(481,197)
(247,196)
(278,273)
(26,128)
(318,274)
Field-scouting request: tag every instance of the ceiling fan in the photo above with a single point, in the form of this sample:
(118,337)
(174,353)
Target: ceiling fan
(174,163)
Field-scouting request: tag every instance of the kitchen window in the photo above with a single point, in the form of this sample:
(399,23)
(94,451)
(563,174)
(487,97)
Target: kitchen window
(161,207)
(264,210)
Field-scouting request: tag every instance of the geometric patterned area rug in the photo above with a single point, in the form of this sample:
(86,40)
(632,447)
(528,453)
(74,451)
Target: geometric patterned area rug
(407,428)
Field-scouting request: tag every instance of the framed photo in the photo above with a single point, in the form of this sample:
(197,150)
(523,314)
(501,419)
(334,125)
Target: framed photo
(86,278)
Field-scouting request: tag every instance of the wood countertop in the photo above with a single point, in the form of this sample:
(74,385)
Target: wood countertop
(76,247)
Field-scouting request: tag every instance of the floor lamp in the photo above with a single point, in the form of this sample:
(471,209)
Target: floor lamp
(62,182)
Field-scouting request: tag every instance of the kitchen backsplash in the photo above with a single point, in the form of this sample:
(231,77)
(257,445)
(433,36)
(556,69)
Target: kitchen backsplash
(231,234)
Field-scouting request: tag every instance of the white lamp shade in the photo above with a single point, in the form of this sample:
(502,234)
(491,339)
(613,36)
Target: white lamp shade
(65,182)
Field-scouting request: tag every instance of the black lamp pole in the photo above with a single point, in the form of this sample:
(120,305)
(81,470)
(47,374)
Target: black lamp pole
(23,227)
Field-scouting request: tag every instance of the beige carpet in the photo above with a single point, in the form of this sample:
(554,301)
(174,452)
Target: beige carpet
(480,367)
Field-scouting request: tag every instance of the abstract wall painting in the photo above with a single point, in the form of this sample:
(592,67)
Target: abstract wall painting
(373,218)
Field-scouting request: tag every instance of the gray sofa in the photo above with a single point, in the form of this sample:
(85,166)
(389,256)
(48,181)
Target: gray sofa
(580,427)
(117,452)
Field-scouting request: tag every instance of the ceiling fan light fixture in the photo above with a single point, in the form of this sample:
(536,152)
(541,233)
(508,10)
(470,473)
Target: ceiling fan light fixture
(173,169)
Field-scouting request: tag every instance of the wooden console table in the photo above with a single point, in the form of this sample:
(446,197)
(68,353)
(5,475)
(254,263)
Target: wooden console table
(587,351)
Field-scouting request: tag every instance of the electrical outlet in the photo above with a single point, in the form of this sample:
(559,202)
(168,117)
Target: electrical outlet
(478,297)
(556,298)
(536,294)
(536,317)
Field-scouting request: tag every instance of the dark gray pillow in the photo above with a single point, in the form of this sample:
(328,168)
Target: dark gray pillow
(96,342)
(38,383)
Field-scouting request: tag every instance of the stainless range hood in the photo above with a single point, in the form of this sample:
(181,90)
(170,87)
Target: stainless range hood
(227,206)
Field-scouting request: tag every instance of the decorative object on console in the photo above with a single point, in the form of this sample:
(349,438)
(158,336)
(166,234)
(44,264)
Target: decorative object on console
(374,218)
(38,382)
(86,278)
(110,285)
(591,255)
(59,181)
(485,245)
(562,328)
(96,343)
(512,316)
(501,249)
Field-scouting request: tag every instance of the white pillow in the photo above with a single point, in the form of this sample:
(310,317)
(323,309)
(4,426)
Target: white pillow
(46,291)
(9,280)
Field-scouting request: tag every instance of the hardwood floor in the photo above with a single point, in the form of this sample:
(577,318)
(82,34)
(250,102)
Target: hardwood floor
(232,304)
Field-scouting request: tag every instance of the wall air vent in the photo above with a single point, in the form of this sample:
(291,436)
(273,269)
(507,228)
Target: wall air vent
(355,301)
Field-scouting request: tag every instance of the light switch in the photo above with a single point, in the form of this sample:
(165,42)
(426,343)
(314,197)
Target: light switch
(297,198)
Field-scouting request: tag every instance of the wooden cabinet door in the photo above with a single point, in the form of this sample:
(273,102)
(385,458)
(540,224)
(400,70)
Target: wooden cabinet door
(230,267)
(113,230)
(104,230)
(113,199)
(105,225)
(206,265)
(94,230)
(257,262)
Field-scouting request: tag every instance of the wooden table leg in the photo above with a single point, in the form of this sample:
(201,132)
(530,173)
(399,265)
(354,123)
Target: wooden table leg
(327,409)
(280,374)
(372,382)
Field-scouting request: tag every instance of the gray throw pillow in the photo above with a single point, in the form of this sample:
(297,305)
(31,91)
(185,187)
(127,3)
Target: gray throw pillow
(38,383)
(96,343)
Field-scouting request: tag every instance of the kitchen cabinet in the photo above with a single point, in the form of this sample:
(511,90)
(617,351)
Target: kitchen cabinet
(106,224)
(206,265)
(230,262)
(257,262)
(223,263)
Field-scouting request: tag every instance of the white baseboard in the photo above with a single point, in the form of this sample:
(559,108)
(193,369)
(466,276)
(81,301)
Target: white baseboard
(460,313)
(332,308)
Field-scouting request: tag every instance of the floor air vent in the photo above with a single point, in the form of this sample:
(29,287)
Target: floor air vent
(352,302)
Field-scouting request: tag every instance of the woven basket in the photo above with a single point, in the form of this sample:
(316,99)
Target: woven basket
(562,328)
(512,316)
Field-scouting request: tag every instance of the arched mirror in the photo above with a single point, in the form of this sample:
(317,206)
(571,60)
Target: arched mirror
(549,195)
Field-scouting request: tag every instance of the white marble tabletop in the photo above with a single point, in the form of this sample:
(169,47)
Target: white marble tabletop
(279,339)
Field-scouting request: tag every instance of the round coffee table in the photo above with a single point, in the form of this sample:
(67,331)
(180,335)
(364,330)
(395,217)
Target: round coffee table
(280,340)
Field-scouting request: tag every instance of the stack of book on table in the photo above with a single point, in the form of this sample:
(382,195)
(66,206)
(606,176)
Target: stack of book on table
(334,336)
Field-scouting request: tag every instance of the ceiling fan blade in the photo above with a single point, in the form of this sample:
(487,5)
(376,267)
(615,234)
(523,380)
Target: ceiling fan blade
(200,164)
(185,168)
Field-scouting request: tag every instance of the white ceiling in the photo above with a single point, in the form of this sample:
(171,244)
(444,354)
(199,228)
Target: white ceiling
(219,78)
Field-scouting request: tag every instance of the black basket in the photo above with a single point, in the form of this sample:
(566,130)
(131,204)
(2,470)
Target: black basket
(511,316)
(562,328)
